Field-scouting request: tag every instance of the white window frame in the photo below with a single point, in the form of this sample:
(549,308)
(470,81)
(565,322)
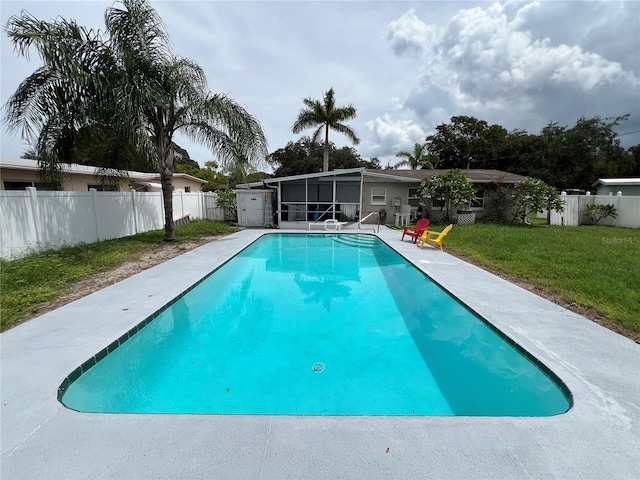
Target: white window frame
(378,198)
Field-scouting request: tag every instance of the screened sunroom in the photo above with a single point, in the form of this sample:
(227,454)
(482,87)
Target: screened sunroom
(318,197)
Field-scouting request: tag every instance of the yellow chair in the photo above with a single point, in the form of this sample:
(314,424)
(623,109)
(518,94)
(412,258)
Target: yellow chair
(435,238)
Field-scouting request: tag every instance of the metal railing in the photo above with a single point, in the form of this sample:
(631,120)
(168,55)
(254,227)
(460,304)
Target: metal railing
(373,229)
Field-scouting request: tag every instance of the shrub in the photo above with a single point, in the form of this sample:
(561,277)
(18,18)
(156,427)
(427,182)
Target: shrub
(498,201)
(533,195)
(451,188)
(597,212)
(227,200)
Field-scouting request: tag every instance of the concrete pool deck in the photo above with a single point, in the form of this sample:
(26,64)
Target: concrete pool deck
(598,438)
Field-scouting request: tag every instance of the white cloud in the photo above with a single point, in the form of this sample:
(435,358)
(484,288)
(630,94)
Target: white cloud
(392,136)
(486,62)
(410,34)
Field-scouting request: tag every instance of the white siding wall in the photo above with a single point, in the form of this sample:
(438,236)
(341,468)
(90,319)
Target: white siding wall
(34,220)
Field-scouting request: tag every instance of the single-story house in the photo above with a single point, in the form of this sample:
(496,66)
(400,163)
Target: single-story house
(611,186)
(354,194)
(19,173)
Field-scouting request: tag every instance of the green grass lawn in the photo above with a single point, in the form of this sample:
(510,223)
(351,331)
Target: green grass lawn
(592,266)
(27,282)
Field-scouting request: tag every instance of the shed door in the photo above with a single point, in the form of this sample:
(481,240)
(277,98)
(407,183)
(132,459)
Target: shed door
(252,209)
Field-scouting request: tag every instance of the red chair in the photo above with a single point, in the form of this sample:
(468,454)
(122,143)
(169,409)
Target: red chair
(416,231)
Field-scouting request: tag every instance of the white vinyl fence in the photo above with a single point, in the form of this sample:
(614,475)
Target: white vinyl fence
(627,208)
(35,220)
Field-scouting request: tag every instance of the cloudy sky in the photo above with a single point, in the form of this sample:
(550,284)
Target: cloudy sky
(406,66)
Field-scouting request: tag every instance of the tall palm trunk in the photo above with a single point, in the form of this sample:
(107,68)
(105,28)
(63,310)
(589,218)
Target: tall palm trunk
(325,157)
(166,160)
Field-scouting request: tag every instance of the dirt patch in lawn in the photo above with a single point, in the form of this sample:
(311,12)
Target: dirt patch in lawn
(151,257)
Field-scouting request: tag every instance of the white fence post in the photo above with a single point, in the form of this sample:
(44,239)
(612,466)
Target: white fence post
(135,211)
(94,195)
(35,213)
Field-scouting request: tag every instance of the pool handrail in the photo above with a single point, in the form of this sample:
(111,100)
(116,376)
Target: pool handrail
(374,230)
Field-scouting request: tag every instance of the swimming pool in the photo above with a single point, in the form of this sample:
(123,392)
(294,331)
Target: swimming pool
(315,324)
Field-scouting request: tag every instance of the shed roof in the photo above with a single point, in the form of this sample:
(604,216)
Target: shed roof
(617,181)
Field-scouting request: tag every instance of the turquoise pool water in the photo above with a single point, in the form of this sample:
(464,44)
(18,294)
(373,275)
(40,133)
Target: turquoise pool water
(316,325)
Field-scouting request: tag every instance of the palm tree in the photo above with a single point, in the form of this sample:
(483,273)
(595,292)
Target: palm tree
(325,116)
(128,86)
(419,158)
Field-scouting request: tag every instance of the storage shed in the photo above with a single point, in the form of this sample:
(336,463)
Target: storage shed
(611,186)
(255,208)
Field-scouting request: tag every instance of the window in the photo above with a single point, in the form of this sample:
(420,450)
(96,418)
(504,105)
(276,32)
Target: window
(102,188)
(378,196)
(9,185)
(413,198)
(187,189)
(479,201)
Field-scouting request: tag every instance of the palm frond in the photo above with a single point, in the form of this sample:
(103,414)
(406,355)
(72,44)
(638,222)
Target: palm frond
(306,119)
(317,134)
(346,131)
(227,129)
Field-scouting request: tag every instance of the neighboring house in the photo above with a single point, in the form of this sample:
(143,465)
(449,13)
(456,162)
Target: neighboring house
(352,194)
(611,186)
(19,173)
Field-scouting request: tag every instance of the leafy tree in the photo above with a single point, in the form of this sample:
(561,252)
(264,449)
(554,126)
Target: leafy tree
(215,180)
(533,195)
(227,200)
(306,156)
(126,89)
(450,189)
(498,200)
(324,116)
(634,162)
(373,163)
(562,156)
(182,157)
(238,177)
(467,142)
(574,157)
(419,158)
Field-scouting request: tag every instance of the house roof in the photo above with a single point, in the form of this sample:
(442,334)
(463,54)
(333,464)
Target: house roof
(617,181)
(474,175)
(156,176)
(74,168)
(408,176)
